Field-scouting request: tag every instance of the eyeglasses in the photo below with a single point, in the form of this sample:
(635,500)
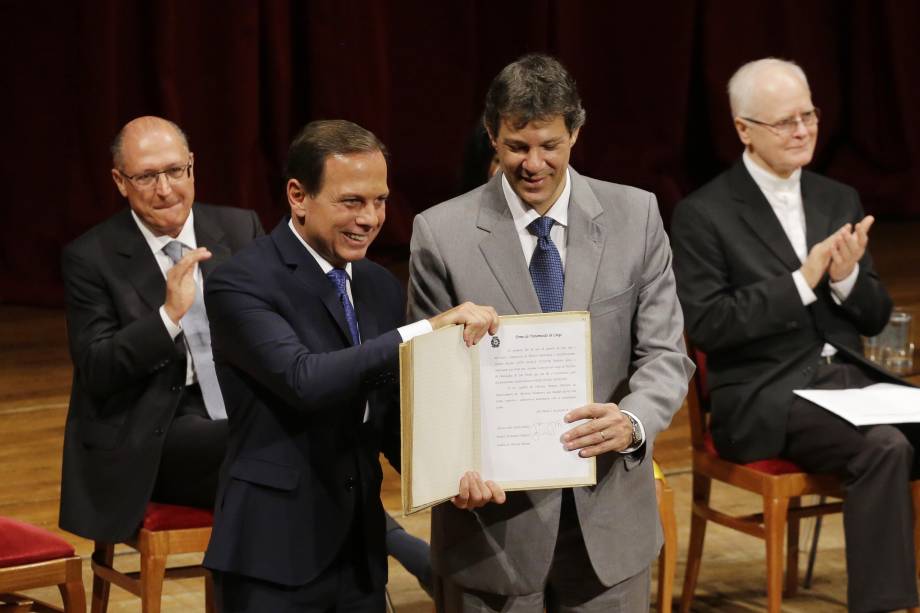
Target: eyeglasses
(787,126)
(173,174)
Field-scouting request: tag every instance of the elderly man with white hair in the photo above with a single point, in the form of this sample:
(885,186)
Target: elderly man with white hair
(777,286)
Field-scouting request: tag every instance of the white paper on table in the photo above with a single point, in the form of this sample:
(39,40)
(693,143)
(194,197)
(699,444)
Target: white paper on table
(529,381)
(881,403)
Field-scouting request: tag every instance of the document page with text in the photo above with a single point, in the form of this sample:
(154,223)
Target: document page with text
(497,408)
(531,373)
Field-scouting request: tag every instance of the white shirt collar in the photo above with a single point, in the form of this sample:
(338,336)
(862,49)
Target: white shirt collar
(523,214)
(186,235)
(326,266)
(769,182)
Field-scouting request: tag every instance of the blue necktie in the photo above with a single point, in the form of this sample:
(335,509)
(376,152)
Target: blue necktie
(546,266)
(197,336)
(339,278)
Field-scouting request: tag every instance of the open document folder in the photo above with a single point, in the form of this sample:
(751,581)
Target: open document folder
(882,403)
(497,408)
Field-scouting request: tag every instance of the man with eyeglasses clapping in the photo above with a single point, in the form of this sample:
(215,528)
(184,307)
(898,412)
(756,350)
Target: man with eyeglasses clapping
(146,419)
(777,286)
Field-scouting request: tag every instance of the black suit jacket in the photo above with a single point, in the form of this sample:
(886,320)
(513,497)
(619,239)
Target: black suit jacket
(127,369)
(301,465)
(733,264)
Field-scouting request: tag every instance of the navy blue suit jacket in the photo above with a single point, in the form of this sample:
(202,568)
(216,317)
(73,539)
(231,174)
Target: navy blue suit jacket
(301,464)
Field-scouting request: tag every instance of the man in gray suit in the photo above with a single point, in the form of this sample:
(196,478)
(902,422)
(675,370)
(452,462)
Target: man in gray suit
(541,237)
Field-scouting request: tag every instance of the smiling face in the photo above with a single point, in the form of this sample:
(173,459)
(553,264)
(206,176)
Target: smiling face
(779,95)
(534,159)
(150,145)
(345,216)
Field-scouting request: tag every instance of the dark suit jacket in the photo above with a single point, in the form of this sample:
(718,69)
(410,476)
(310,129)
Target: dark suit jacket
(733,263)
(301,466)
(127,369)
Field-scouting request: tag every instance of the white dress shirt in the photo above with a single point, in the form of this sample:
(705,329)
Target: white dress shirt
(523,215)
(785,198)
(156,243)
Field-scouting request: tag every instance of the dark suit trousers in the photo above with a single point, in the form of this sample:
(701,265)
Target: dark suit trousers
(343,587)
(192,454)
(876,463)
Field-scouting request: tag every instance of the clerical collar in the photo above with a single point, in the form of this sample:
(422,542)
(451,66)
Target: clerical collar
(769,182)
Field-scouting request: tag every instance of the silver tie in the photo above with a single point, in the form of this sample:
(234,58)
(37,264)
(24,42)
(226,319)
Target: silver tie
(197,336)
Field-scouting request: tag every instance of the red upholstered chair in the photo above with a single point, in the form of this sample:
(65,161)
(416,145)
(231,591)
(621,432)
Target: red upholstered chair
(781,484)
(167,530)
(31,557)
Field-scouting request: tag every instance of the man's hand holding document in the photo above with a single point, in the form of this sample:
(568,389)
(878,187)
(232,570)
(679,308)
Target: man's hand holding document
(493,415)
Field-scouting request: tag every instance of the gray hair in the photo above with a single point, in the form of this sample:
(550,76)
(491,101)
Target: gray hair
(324,138)
(743,83)
(118,143)
(534,87)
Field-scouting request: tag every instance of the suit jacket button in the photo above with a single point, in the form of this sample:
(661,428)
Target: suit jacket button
(158,431)
(350,483)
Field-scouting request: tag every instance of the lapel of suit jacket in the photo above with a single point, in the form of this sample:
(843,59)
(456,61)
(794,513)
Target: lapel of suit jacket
(364,299)
(817,221)
(137,261)
(208,233)
(306,270)
(584,245)
(759,215)
(502,249)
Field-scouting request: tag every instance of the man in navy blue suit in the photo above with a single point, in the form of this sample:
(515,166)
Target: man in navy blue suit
(305,334)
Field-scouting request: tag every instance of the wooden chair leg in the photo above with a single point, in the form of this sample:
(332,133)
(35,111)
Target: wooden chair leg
(73,596)
(104,554)
(792,550)
(775,511)
(210,604)
(153,569)
(667,561)
(701,489)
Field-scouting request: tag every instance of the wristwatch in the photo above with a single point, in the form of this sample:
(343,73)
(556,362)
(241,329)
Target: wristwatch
(637,439)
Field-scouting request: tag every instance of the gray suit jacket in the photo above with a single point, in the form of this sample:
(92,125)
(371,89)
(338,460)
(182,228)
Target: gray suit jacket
(618,267)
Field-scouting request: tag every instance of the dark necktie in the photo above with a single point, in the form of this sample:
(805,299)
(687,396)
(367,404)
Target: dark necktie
(546,266)
(197,336)
(339,278)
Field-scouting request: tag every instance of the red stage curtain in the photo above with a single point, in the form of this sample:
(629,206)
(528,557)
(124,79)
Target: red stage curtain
(241,77)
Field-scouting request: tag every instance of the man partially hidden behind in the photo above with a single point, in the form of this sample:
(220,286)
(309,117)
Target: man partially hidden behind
(306,338)
(541,237)
(777,286)
(146,419)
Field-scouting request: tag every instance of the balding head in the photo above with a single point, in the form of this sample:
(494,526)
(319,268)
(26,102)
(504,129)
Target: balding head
(136,129)
(153,170)
(752,85)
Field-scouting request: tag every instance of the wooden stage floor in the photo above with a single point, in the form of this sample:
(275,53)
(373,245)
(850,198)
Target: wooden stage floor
(35,376)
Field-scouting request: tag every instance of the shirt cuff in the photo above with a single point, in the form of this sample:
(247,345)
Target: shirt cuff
(172,328)
(840,290)
(629,450)
(422,326)
(805,292)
